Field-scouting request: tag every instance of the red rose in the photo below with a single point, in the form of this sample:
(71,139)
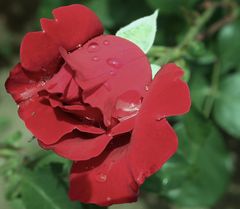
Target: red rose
(90,98)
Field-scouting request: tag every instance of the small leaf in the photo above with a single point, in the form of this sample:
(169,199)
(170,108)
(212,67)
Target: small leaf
(142,32)
(155,69)
(227,105)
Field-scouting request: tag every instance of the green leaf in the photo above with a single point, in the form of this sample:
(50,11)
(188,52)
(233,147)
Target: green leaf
(155,68)
(199,88)
(227,105)
(229,46)
(51,158)
(41,190)
(17,204)
(141,32)
(199,174)
(200,171)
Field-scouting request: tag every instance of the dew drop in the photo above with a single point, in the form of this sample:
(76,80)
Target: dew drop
(95,58)
(146,88)
(113,62)
(93,47)
(33,113)
(101,177)
(106,42)
(107,86)
(109,199)
(112,72)
(158,118)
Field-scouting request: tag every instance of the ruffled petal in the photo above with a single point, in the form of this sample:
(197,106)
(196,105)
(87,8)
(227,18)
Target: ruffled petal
(60,81)
(168,95)
(38,53)
(50,124)
(73,26)
(75,146)
(106,179)
(153,140)
(152,144)
(72,92)
(105,68)
(21,86)
(84,112)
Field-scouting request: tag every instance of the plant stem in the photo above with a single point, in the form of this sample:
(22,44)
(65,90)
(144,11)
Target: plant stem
(194,31)
(213,91)
(164,55)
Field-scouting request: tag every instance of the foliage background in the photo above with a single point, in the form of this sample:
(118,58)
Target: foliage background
(203,37)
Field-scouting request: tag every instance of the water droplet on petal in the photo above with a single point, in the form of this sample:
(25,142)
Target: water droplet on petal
(107,86)
(146,87)
(113,62)
(109,134)
(95,58)
(106,42)
(109,199)
(93,47)
(128,105)
(101,177)
(112,72)
(159,118)
(33,113)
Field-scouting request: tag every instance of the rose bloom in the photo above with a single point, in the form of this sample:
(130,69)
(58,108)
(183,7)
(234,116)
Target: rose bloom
(90,98)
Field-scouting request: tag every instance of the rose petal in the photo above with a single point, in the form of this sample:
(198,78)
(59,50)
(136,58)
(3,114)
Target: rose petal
(103,65)
(83,111)
(39,52)
(168,95)
(21,86)
(152,144)
(104,180)
(60,81)
(72,92)
(73,25)
(123,127)
(75,147)
(48,124)
(153,140)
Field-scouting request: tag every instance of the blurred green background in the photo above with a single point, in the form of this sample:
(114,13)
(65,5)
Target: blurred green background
(203,37)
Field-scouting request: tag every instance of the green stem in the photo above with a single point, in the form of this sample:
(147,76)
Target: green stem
(194,31)
(213,91)
(164,55)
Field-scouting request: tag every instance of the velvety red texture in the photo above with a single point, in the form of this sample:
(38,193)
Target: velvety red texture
(90,98)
